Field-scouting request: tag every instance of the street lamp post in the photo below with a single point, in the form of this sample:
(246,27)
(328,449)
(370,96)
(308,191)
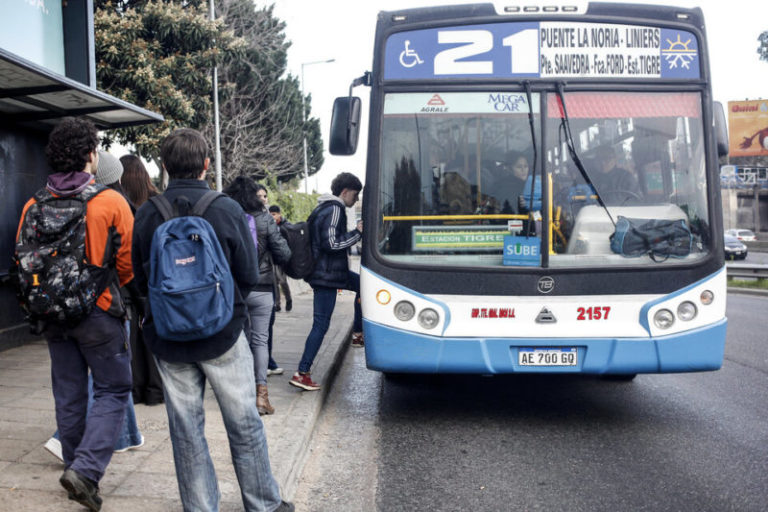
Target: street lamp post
(304,119)
(216,128)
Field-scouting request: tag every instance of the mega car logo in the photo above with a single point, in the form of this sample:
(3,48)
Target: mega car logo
(506,102)
(546,284)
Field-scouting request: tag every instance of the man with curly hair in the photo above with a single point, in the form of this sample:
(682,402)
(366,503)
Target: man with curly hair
(99,341)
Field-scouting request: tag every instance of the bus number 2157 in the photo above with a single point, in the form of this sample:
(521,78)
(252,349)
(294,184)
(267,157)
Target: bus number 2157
(593,313)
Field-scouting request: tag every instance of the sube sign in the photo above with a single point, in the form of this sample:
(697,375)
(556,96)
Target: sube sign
(521,251)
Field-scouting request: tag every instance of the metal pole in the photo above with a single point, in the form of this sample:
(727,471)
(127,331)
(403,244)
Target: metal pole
(304,132)
(304,120)
(216,129)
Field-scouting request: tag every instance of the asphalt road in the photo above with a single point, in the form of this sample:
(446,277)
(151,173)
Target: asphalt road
(681,442)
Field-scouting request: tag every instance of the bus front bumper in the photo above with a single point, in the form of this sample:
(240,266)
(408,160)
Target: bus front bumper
(392,350)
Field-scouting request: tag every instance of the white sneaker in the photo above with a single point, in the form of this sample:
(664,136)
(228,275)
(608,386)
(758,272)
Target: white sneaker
(53,446)
(276,371)
(121,450)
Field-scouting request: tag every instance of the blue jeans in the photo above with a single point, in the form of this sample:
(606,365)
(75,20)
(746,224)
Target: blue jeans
(324,302)
(100,343)
(231,377)
(260,307)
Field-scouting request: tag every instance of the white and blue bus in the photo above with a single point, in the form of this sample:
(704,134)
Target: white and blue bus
(542,191)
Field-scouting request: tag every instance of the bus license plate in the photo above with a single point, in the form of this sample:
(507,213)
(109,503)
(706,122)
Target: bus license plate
(548,356)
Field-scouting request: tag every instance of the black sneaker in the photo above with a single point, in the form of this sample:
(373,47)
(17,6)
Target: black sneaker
(81,489)
(285,506)
(277,308)
(288,305)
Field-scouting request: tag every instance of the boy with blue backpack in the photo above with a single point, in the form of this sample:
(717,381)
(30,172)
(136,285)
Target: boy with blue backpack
(194,258)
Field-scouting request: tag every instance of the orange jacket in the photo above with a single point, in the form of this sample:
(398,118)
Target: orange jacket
(106,209)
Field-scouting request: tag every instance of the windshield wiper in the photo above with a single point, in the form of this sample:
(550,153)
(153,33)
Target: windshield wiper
(531,123)
(572,151)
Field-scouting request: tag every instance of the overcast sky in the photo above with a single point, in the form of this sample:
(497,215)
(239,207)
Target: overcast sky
(343,30)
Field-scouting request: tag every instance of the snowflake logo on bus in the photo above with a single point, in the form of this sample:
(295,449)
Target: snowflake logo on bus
(678,52)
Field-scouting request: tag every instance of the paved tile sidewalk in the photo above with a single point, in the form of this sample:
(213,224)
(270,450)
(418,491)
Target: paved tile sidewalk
(144,479)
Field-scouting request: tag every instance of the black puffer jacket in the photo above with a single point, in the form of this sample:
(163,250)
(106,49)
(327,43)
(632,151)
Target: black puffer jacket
(272,248)
(330,243)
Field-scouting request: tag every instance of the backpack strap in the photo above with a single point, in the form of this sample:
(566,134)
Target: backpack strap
(163,206)
(204,202)
(168,212)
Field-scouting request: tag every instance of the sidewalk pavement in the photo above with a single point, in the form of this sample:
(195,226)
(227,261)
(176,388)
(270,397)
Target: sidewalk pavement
(144,479)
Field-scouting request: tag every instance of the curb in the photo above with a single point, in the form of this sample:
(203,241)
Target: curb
(291,480)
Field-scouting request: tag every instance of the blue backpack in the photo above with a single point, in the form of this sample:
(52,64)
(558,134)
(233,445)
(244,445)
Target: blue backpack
(191,290)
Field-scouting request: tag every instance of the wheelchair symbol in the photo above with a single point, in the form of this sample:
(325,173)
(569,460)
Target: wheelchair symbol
(408,57)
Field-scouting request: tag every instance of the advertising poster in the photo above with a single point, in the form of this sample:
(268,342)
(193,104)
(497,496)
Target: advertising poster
(748,128)
(33,30)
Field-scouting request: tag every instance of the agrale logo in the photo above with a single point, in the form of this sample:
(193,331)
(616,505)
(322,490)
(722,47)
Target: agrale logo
(436,104)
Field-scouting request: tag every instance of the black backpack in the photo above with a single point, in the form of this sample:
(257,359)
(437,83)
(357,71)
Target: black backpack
(56,283)
(299,239)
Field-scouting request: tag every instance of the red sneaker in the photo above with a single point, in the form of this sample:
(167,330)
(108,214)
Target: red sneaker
(357,340)
(303,381)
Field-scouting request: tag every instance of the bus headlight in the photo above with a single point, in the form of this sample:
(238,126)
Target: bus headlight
(404,310)
(428,318)
(663,319)
(686,311)
(707,297)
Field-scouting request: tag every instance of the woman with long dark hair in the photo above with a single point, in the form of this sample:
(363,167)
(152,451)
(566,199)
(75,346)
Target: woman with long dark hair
(260,301)
(136,183)
(137,187)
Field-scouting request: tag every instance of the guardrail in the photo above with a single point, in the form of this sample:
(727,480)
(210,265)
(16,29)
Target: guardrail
(757,245)
(741,270)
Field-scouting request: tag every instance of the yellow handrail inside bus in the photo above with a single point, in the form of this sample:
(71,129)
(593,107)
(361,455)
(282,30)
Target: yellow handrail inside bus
(453,217)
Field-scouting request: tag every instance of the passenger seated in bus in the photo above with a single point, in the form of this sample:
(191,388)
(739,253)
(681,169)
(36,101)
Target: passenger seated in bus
(455,195)
(614,184)
(509,182)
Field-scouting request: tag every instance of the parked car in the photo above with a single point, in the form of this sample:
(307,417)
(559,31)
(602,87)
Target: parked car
(734,248)
(744,235)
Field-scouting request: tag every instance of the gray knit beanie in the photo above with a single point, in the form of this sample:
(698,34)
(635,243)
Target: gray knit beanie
(110,169)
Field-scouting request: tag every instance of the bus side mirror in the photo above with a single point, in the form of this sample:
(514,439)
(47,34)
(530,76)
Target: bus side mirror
(721,129)
(345,126)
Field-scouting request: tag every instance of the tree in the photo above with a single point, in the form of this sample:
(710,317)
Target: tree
(762,50)
(262,125)
(159,55)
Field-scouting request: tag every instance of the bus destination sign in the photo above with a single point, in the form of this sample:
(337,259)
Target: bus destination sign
(542,50)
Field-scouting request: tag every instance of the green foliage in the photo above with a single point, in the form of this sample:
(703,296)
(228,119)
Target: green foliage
(295,206)
(760,284)
(159,55)
(262,124)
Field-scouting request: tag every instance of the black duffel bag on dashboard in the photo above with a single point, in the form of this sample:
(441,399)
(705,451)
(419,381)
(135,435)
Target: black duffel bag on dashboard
(659,239)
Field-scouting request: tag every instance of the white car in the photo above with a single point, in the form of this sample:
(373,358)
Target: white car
(744,235)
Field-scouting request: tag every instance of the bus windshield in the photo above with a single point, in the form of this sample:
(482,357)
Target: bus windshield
(459,174)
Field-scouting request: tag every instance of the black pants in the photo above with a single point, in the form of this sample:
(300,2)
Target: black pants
(147,387)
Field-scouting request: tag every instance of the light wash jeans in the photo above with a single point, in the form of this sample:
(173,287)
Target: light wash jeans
(260,309)
(231,377)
